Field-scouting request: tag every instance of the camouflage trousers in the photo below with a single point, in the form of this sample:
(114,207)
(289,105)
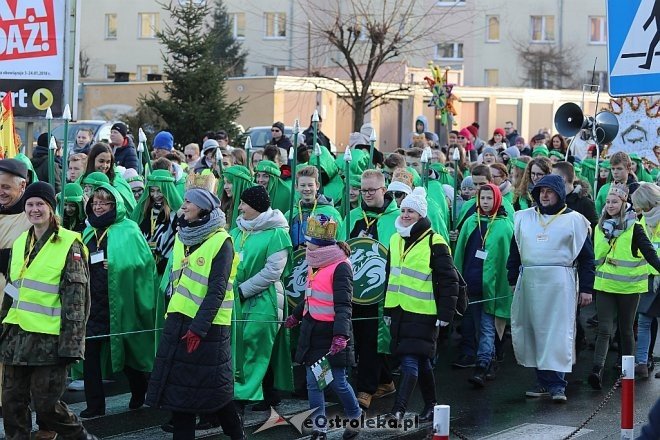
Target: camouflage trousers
(45,385)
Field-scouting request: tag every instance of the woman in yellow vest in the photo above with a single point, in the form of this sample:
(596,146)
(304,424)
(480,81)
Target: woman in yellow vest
(421,294)
(326,330)
(193,371)
(44,311)
(620,247)
(647,200)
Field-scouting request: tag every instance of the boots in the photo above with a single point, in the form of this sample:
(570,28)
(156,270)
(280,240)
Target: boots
(427,387)
(596,378)
(406,387)
(479,377)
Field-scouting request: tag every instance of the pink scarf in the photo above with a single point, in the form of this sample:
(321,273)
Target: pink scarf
(325,256)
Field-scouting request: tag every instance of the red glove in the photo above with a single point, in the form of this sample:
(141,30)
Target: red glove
(291,322)
(338,344)
(192,340)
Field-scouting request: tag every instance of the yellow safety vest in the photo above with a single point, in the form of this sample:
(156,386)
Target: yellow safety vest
(617,269)
(655,239)
(190,278)
(38,308)
(410,284)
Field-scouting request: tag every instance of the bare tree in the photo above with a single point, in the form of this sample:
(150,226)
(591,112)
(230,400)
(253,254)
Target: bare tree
(360,36)
(547,67)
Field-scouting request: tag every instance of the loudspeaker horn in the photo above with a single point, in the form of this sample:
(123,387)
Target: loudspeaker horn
(606,127)
(569,119)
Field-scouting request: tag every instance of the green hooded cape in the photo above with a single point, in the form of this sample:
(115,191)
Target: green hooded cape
(28,163)
(642,174)
(132,287)
(165,182)
(444,176)
(253,329)
(334,189)
(73,193)
(120,184)
(437,220)
(359,162)
(278,189)
(240,179)
(494,279)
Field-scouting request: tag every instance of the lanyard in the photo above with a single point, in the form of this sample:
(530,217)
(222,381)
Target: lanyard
(554,217)
(404,254)
(300,214)
(369,223)
(153,224)
(33,243)
(100,240)
(244,236)
(484,236)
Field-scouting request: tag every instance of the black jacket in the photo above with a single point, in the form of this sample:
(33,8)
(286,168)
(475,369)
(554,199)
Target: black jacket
(283,142)
(40,164)
(579,201)
(126,155)
(316,336)
(321,138)
(99,314)
(416,333)
(201,381)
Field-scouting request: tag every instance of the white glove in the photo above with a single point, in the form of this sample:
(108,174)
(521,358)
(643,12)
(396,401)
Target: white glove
(439,323)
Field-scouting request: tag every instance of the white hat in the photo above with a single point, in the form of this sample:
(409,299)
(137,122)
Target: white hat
(396,185)
(416,201)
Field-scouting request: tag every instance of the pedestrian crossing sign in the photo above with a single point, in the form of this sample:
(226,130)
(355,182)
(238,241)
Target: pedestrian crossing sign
(633,37)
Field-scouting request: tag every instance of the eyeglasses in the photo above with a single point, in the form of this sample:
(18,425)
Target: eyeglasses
(537,175)
(101,204)
(370,191)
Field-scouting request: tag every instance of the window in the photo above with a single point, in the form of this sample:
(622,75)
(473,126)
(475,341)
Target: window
(143,71)
(493,28)
(597,30)
(110,26)
(148,24)
(450,3)
(110,71)
(273,70)
(543,28)
(449,51)
(275,24)
(237,22)
(492,77)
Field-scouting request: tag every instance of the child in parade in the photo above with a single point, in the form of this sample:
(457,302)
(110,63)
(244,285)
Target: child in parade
(325,318)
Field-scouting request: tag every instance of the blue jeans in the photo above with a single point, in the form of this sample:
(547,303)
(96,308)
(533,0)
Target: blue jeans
(487,335)
(342,389)
(553,381)
(470,329)
(643,338)
(412,364)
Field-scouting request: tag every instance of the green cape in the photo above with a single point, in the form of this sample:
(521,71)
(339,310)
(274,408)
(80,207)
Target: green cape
(642,174)
(278,189)
(334,189)
(252,340)
(359,162)
(494,279)
(132,286)
(73,193)
(162,179)
(28,163)
(600,198)
(444,176)
(436,192)
(120,184)
(240,179)
(435,216)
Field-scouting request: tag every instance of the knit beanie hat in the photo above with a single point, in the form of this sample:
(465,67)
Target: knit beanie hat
(512,152)
(257,198)
(42,140)
(279,125)
(467,183)
(42,190)
(416,201)
(120,127)
(357,139)
(133,178)
(499,131)
(520,139)
(474,130)
(164,141)
(489,150)
(202,198)
(397,185)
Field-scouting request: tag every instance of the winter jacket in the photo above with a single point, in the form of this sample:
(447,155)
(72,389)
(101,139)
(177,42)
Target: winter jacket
(40,163)
(201,381)
(316,336)
(415,333)
(579,201)
(99,316)
(126,155)
(321,138)
(283,142)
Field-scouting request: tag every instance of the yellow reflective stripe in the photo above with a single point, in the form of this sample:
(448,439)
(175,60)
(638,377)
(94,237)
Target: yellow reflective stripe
(39,286)
(622,278)
(410,292)
(186,293)
(201,279)
(36,308)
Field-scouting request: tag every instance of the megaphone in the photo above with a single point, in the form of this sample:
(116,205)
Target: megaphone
(606,127)
(569,119)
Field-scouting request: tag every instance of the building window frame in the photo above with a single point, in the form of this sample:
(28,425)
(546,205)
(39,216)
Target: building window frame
(153,28)
(110,70)
(546,31)
(450,3)
(487,77)
(602,30)
(110,22)
(235,19)
(277,18)
(457,51)
(144,69)
(496,38)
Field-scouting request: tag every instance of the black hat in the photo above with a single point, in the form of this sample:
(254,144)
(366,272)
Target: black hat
(120,127)
(257,198)
(279,125)
(42,140)
(42,190)
(13,166)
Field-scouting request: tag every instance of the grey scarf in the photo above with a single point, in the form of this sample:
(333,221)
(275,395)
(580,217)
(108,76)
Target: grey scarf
(192,234)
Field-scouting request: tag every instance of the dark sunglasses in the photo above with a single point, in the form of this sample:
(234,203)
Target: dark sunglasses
(399,194)
(274,130)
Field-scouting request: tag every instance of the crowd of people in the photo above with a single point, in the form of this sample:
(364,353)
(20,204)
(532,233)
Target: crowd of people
(173,269)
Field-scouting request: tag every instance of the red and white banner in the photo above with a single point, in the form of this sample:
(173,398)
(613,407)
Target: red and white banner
(32,39)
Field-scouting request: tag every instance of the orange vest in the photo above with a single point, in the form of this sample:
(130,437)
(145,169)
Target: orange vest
(319,296)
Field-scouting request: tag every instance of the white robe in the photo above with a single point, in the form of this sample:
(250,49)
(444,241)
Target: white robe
(545,299)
